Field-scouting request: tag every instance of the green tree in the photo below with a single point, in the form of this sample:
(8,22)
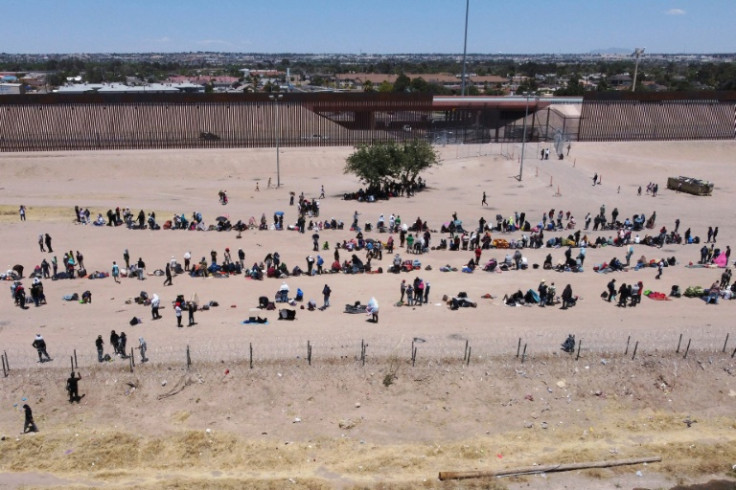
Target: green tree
(402,83)
(380,163)
(385,86)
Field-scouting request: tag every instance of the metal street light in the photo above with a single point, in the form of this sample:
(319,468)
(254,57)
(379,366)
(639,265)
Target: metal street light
(276,126)
(523,136)
(637,54)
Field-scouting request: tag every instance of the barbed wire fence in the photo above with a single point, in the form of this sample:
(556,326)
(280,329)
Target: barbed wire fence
(353,350)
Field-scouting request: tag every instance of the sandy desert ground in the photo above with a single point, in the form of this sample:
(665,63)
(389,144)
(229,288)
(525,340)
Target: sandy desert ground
(385,423)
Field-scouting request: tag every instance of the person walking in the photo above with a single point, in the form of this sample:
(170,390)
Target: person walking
(99,343)
(40,345)
(484,202)
(47,239)
(326,291)
(115,272)
(715,234)
(168,281)
(126,258)
(322,192)
(22,212)
(660,267)
(40,243)
(72,387)
(29,425)
(595,178)
(629,253)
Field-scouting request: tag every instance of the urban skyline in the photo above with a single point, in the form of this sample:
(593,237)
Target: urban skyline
(381,27)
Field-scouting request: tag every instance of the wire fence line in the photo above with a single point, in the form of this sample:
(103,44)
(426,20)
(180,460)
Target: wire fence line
(378,348)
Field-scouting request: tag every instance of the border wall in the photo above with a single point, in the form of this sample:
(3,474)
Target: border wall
(658,116)
(140,121)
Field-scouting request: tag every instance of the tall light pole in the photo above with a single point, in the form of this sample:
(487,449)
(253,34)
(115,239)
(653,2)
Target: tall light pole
(465,46)
(523,137)
(637,54)
(276,126)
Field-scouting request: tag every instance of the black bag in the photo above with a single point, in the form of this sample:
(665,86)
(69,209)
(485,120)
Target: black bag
(285,314)
(134,321)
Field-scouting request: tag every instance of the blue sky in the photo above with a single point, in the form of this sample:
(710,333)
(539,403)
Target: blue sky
(368,26)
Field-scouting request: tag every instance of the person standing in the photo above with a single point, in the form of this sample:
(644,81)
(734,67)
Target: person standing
(143,347)
(141,269)
(126,258)
(403,291)
(187,260)
(155,304)
(99,343)
(55,264)
(191,308)
(40,243)
(45,269)
(715,234)
(114,339)
(40,345)
(72,387)
(29,425)
(322,192)
(122,343)
(22,212)
(660,267)
(326,291)
(629,253)
(177,311)
(426,292)
(241,257)
(47,239)
(168,281)
(115,271)
(611,290)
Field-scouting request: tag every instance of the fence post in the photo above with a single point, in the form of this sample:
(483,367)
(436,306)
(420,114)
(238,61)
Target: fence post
(518,348)
(523,354)
(465,354)
(467,362)
(5,371)
(71,358)
(189,358)
(76,364)
(679,342)
(309,353)
(362,351)
(636,346)
(413,355)
(687,349)
(251,355)
(725,343)
(7,361)
(626,352)
(580,344)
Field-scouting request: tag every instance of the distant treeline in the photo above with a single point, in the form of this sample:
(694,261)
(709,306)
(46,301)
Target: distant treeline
(667,74)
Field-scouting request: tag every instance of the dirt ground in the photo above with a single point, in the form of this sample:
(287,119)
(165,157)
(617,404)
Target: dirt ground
(388,422)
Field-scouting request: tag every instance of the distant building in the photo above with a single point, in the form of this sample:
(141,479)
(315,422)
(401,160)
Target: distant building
(120,88)
(11,89)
